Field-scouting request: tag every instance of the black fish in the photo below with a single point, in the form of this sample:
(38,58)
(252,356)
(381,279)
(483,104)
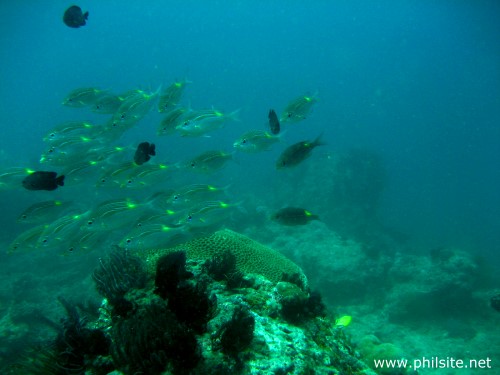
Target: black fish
(74,17)
(293,216)
(274,122)
(297,153)
(144,152)
(43,181)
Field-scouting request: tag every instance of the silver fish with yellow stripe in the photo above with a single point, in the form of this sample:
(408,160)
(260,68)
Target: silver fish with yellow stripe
(83,97)
(256,141)
(171,96)
(43,212)
(209,161)
(298,109)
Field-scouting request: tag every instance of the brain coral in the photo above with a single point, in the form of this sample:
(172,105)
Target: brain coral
(251,256)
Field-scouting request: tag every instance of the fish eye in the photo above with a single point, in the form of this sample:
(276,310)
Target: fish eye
(52,135)
(189,218)
(44,240)
(71,249)
(51,150)
(244,141)
(90,222)
(23,217)
(129,182)
(128,240)
(193,165)
(176,197)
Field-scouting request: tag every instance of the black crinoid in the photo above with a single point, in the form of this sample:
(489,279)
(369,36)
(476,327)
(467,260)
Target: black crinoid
(235,335)
(116,275)
(299,308)
(223,268)
(74,348)
(76,342)
(161,334)
(170,273)
(152,341)
(188,300)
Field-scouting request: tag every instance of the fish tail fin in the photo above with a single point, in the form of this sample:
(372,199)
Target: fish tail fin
(231,155)
(318,141)
(235,115)
(157,92)
(158,200)
(60,180)
(281,134)
(225,189)
(86,15)
(238,206)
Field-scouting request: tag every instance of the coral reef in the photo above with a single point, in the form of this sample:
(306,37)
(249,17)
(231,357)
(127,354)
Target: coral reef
(438,288)
(72,351)
(152,340)
(189,301)
(298,309)
(170,272)
(372,350)
(222,267)
(236,334)
(185,321)
(251,256)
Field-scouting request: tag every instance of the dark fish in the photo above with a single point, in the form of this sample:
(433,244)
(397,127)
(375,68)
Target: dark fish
(144,152)
(74,17)
(297,153)
(274,122)
(43,181)
(293,216)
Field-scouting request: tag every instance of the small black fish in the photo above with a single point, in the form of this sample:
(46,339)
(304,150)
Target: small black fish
(274,122)
(144,152)
(74,17)
(43,181)
(293,216)
(297,153)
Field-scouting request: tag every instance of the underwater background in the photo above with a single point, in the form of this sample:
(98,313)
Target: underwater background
(406,186)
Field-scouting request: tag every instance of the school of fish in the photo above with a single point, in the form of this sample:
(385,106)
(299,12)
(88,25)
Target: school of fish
(170,212)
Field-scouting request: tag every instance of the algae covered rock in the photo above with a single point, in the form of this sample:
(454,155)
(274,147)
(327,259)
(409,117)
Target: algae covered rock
(373,350)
